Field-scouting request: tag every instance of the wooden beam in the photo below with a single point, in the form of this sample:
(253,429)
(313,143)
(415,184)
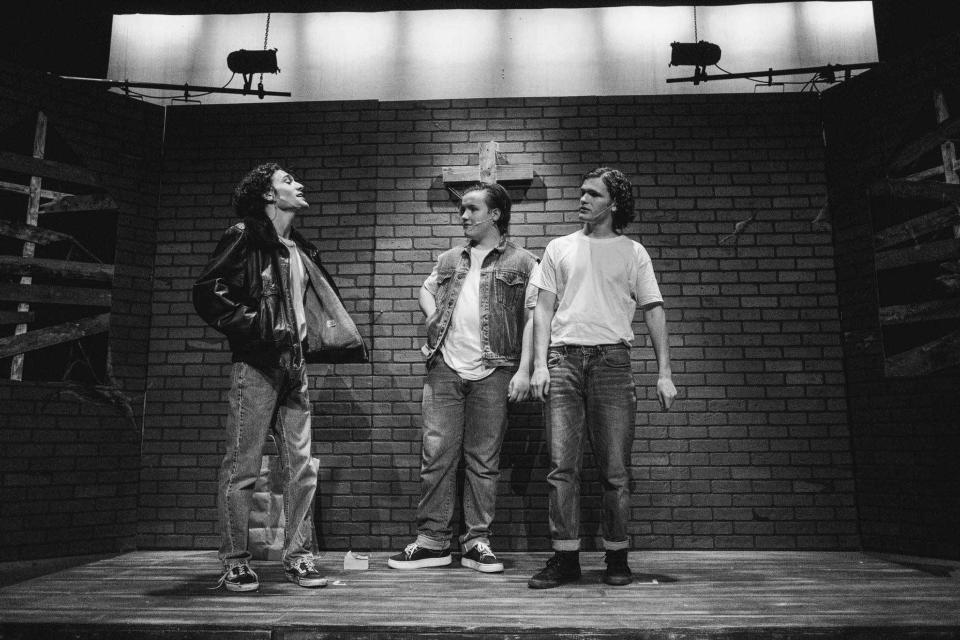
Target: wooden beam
(94,271)
(920,311)
(907,189)
(932,172)
(16,317)
(57,334)
(80,204)
(33,234)
(917,254)
(505,173)
(916,227)
(938,354)
(50,169)
(928,142)
(46,194)
(53,294)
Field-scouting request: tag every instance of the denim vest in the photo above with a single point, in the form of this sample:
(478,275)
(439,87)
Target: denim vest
(503,283)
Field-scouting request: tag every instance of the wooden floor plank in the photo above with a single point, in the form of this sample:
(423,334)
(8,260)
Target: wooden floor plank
(714,594)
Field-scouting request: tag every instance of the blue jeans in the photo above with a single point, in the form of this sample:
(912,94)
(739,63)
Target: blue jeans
(592,393)
(260,401)
(467,417)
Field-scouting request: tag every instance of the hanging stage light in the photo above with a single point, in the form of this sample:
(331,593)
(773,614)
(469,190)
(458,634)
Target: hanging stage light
(696,54)
(247,62)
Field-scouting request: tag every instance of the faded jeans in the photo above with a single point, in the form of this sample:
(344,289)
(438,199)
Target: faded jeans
(261,402)
(592,393)
(468,417)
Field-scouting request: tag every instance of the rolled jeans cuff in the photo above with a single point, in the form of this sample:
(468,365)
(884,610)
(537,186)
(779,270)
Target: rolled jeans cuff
(431,543)
(566,545)
(615,545)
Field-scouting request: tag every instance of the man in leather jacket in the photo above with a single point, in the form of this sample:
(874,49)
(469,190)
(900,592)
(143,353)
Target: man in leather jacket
(265,290)
(478,358)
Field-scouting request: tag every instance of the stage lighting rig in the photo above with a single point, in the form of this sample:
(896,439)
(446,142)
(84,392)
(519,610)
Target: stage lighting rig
(699,55)
(247,62)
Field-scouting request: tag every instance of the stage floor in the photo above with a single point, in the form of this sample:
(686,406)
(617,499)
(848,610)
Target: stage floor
(679,595)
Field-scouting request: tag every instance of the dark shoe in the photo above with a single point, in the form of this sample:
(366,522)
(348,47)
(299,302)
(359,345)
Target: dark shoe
(416,557)
(481,558)
(240,578)
(303,573)
(617,572)
(563,567)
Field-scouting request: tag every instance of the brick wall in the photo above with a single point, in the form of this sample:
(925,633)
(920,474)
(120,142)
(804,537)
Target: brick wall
(906,441)
(756,453)
(69,461)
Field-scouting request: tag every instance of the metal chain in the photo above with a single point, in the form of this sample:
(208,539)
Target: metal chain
(266,34)
(694,25)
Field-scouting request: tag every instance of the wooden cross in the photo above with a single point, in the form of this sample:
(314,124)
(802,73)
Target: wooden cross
(488,171)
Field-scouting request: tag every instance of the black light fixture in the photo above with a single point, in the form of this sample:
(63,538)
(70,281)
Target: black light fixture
(248,62)
(696,54)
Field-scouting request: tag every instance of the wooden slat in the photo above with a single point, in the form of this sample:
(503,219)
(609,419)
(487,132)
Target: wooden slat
(25,190)
(920,312)
(33,234)
(16,317)
(80,204)
(49,336)
(916,227)
(932,172)
(52,294)
(936,355)
(50,169)
(505,173)
(906,189)
(917,254)
(94,271)
(927,142)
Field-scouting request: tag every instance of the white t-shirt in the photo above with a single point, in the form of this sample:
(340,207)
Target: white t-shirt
(298,286)
(598,283)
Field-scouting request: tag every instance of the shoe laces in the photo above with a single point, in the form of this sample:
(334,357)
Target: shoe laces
(239,570)
(484,550)
(410,549)
(304,566)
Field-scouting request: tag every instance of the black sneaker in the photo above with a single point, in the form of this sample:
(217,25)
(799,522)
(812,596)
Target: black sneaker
(617,572)
(563,567)
(240,578)
(481,558)
(416,557)
(303,573)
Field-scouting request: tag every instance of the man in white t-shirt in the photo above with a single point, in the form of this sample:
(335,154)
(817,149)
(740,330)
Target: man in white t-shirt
(591,283)
(478,357)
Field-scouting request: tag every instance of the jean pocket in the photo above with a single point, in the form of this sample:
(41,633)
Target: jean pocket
(554,358)
(510,287)
(619,358)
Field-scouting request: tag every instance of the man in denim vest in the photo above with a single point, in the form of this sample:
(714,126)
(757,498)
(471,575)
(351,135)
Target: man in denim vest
(478,358)
(591,283)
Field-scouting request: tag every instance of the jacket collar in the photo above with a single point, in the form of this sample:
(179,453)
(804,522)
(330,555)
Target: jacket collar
(266,234)
(501,246)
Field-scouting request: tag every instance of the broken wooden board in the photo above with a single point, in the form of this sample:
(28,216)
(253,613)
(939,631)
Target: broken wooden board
(50,336)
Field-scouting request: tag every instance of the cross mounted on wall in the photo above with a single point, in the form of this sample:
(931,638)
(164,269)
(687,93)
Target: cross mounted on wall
(487,171)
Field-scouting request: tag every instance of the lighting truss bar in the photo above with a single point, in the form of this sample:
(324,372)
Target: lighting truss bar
(187,89)
(769,73)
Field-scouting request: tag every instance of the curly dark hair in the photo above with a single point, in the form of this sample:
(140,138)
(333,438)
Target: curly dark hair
(248,196)
(621,191)
(496,197)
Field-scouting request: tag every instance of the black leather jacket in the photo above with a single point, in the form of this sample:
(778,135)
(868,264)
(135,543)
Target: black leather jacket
(243,292)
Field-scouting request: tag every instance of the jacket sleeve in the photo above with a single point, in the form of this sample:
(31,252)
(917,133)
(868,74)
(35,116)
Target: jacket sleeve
(221,294)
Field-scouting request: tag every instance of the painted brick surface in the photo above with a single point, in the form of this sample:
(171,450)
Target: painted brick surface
(755,454)
(69,459)
(905,434)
